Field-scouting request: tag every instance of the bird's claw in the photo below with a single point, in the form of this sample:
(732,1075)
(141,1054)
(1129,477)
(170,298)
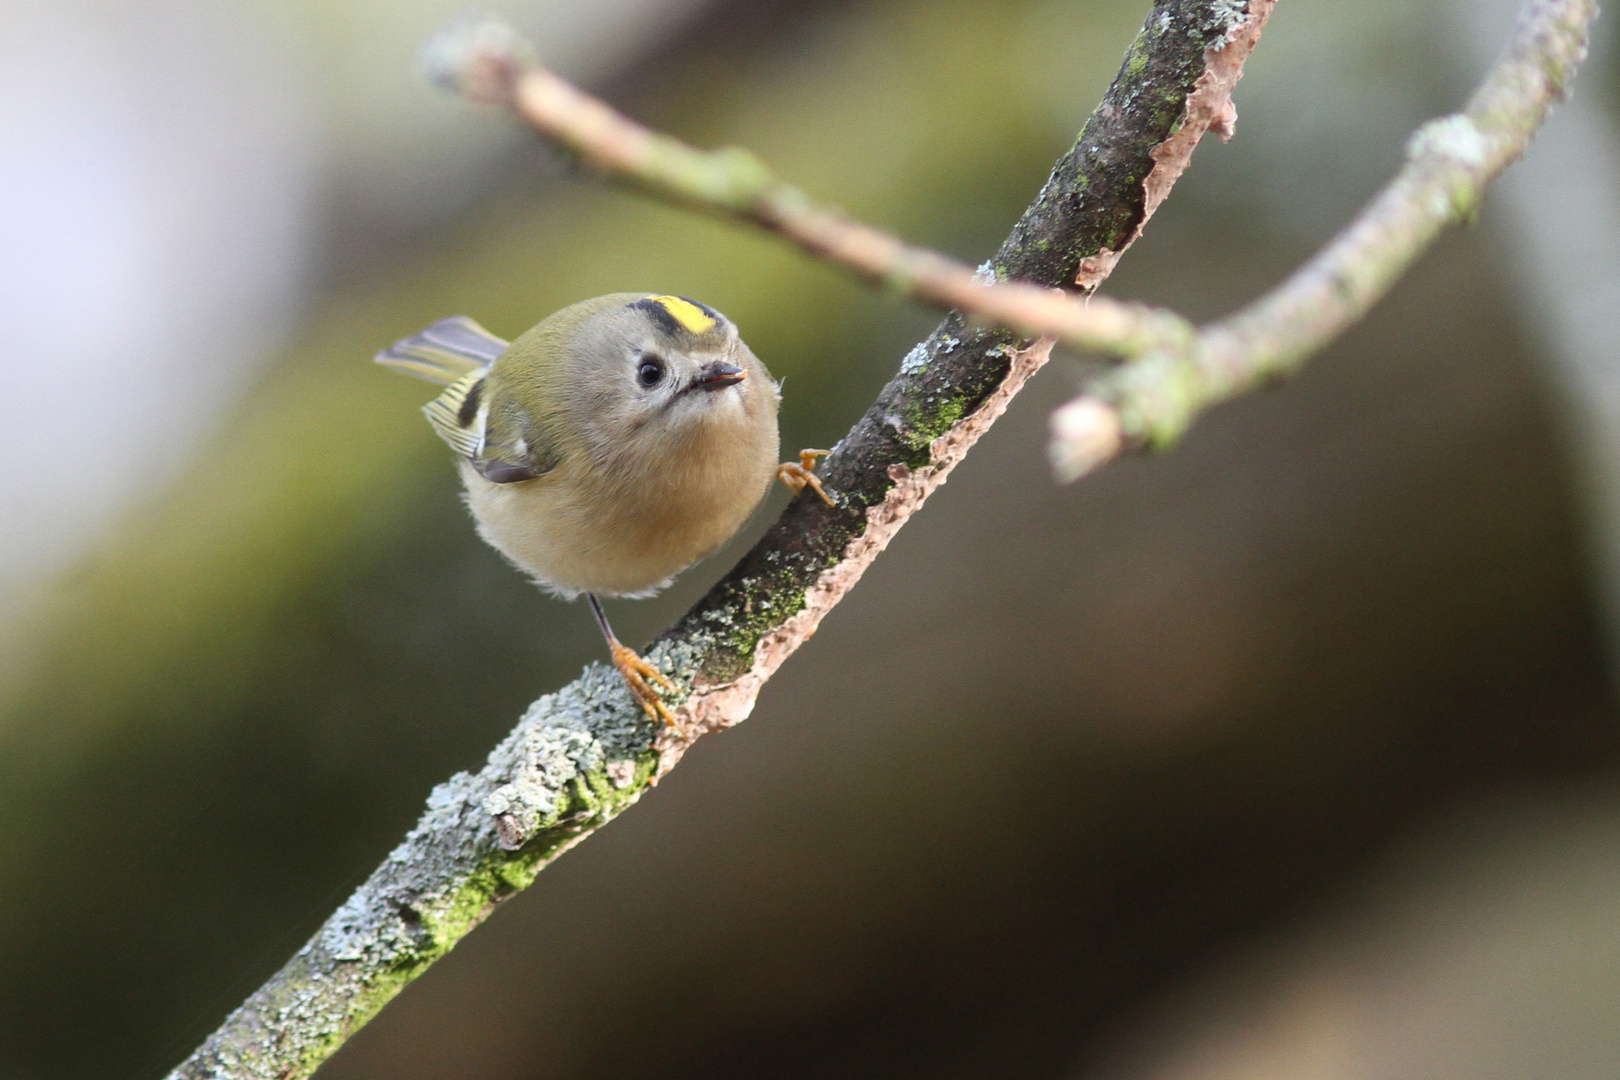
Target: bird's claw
(797,476)
(639,675)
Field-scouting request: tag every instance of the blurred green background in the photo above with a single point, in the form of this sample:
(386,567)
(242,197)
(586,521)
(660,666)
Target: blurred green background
(1292,750)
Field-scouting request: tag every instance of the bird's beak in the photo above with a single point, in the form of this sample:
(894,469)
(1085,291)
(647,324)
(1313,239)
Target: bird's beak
(718,376)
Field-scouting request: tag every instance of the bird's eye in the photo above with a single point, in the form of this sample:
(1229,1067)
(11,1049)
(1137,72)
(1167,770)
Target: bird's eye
(650,372)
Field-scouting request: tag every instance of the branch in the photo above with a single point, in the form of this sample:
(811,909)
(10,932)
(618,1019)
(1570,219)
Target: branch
(580,756)
(486,62)
(1450,162)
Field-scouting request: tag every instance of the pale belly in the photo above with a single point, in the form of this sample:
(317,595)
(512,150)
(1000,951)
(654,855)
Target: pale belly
(572,539)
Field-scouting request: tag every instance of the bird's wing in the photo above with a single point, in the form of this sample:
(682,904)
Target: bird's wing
(458,414)
(457,354)
(501,451)
(514,447)
(445,353)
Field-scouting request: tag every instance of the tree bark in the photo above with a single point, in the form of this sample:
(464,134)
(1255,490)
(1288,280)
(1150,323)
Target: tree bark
(580,756)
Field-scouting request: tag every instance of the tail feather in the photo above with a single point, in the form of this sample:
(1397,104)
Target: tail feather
(444,353)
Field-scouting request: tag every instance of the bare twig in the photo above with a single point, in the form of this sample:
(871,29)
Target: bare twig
(1562,211)
(486,62)
(581,755)
(1450,163)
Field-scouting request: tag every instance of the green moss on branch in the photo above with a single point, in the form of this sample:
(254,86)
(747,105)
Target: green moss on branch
(580,756)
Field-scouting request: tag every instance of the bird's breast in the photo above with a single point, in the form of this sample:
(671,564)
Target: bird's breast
(625,524)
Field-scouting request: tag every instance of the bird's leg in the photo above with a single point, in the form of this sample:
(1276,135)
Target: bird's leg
(796,477)
(635,670)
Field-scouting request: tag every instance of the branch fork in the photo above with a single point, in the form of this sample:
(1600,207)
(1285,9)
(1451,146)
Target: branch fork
(1153,398)
(581,755)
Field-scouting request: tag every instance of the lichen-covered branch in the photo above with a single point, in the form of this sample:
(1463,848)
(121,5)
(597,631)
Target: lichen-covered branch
(1450,162)
(580,756)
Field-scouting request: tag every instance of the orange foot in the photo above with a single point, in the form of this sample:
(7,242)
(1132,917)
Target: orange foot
(637,673)
(797,477)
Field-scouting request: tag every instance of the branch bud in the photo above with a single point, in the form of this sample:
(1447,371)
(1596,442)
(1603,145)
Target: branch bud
(1085,433)
(478,57)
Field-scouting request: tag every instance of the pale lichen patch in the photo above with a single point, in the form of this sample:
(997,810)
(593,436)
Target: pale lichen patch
(916,359)
(1456,138)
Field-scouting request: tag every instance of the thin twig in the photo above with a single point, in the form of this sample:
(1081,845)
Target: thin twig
(486,62)
(1450,162)
(580,756)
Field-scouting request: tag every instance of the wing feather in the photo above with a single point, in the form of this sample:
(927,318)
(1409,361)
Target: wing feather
(457,424)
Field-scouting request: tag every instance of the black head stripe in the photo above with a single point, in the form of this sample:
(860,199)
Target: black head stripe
(678,316)
(660,315)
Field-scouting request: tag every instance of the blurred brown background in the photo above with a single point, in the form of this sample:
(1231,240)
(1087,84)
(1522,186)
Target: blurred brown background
(1289,754)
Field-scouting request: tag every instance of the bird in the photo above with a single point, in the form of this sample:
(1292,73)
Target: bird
(614,444)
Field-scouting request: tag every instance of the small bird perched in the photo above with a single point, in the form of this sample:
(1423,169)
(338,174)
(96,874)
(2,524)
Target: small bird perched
(610,447)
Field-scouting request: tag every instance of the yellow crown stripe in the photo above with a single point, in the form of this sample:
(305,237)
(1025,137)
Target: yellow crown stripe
(688,314)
